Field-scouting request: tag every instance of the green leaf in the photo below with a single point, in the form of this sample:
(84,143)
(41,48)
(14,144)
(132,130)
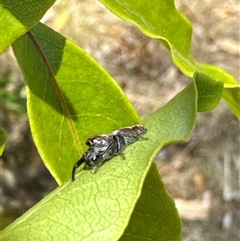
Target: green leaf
(70,97)
(99,207)
(3,138)
(209,91)
(17,17)
(160,19)
(154,216)
(231,95)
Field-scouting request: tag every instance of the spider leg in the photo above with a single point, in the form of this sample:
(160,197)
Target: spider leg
(96,168)
(101,159)
(106,155)
(122,154)
(121,145)
(78,163)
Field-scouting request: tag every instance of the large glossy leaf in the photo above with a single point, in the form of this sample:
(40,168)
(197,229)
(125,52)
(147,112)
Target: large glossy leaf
(231,94)
(209,91)
(101,206)
(160,19)
(17,17)
(154,216)
(70,97)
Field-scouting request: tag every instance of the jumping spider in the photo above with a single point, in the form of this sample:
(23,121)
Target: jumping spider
(104,147)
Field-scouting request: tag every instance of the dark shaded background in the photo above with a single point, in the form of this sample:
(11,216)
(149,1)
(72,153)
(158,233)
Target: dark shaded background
(201,175)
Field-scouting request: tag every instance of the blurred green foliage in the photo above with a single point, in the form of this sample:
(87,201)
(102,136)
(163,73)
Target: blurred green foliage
(12,93)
